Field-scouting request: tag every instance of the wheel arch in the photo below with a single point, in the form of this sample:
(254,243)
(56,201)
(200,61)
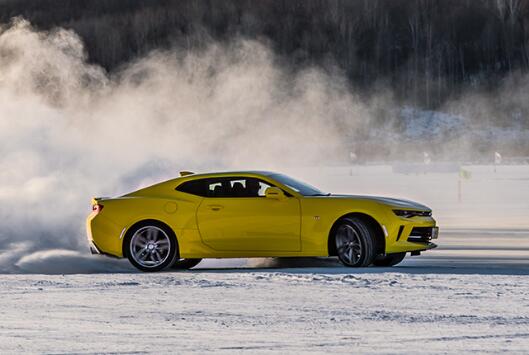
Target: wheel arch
(375,226)
(144,222)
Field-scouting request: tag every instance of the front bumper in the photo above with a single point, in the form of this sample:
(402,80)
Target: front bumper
(411,235)
(428,246)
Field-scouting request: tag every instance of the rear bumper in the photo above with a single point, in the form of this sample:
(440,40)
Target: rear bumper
(93,248)
(104,235)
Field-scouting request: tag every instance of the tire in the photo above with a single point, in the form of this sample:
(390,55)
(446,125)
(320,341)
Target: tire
(184,264)
(150,246)
(389,260)
(355,242)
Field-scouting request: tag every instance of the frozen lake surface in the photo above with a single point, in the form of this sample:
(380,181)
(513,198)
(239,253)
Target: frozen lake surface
(471,294)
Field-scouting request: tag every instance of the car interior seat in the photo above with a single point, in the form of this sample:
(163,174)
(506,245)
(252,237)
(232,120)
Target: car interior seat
(238,189)
(252,188)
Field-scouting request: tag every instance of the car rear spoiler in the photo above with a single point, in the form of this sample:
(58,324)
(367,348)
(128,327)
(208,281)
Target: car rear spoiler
(96,200)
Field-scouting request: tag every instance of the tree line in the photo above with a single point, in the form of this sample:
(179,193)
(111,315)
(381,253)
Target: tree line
(426,50)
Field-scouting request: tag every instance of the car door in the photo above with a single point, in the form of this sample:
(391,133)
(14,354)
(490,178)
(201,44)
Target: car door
(236,216)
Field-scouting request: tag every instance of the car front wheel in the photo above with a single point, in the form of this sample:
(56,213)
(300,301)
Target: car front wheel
(355,242)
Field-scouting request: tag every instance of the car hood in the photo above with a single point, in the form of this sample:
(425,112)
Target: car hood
(392,202)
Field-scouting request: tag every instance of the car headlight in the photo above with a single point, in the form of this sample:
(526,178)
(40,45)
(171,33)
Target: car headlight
(412,213)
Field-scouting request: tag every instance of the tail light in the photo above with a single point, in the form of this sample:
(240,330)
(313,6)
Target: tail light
(97,208)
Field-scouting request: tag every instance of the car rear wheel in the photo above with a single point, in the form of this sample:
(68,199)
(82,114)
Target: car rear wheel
(355,242)
(151,246)
(389,260)
(184,264)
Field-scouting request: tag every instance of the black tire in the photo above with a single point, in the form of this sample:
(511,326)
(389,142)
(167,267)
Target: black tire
(185,264)
(389,260)
(355,242)
(132,247)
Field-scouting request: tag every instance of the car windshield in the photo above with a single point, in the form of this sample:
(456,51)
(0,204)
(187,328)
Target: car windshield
(298,186)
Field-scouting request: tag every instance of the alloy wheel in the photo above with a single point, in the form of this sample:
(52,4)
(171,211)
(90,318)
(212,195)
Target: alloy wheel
(348,244)
(150,246)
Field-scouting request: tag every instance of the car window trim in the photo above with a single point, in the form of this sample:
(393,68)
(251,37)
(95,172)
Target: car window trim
(272,183)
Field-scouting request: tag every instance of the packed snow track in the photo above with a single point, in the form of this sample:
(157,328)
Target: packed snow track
(471,294)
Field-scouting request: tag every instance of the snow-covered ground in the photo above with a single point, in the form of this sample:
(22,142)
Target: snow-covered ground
(472,294)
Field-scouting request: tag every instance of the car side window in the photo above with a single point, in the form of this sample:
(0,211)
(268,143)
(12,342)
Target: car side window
(194,187)
(236,187)
(225,187)
(262,188)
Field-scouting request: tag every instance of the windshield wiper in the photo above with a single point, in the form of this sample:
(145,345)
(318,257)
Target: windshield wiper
(322,194)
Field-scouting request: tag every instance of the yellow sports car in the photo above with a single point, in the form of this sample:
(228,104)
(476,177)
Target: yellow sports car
(248,214)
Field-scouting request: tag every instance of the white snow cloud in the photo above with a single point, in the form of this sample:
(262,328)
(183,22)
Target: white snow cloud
(70,131)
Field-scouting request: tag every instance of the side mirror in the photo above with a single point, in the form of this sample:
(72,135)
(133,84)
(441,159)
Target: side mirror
(275,193)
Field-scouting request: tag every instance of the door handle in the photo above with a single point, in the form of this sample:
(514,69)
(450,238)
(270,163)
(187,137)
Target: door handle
(215,207)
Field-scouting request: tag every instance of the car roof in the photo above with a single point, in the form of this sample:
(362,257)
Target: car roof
(230,173)
(190,177)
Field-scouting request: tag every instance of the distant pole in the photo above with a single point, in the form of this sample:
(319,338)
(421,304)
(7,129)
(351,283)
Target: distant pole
(459,188)
(463,174)
(352,158)
(497,160)
(427,160)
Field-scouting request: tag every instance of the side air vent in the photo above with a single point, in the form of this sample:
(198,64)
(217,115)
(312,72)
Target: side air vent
(401,228)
